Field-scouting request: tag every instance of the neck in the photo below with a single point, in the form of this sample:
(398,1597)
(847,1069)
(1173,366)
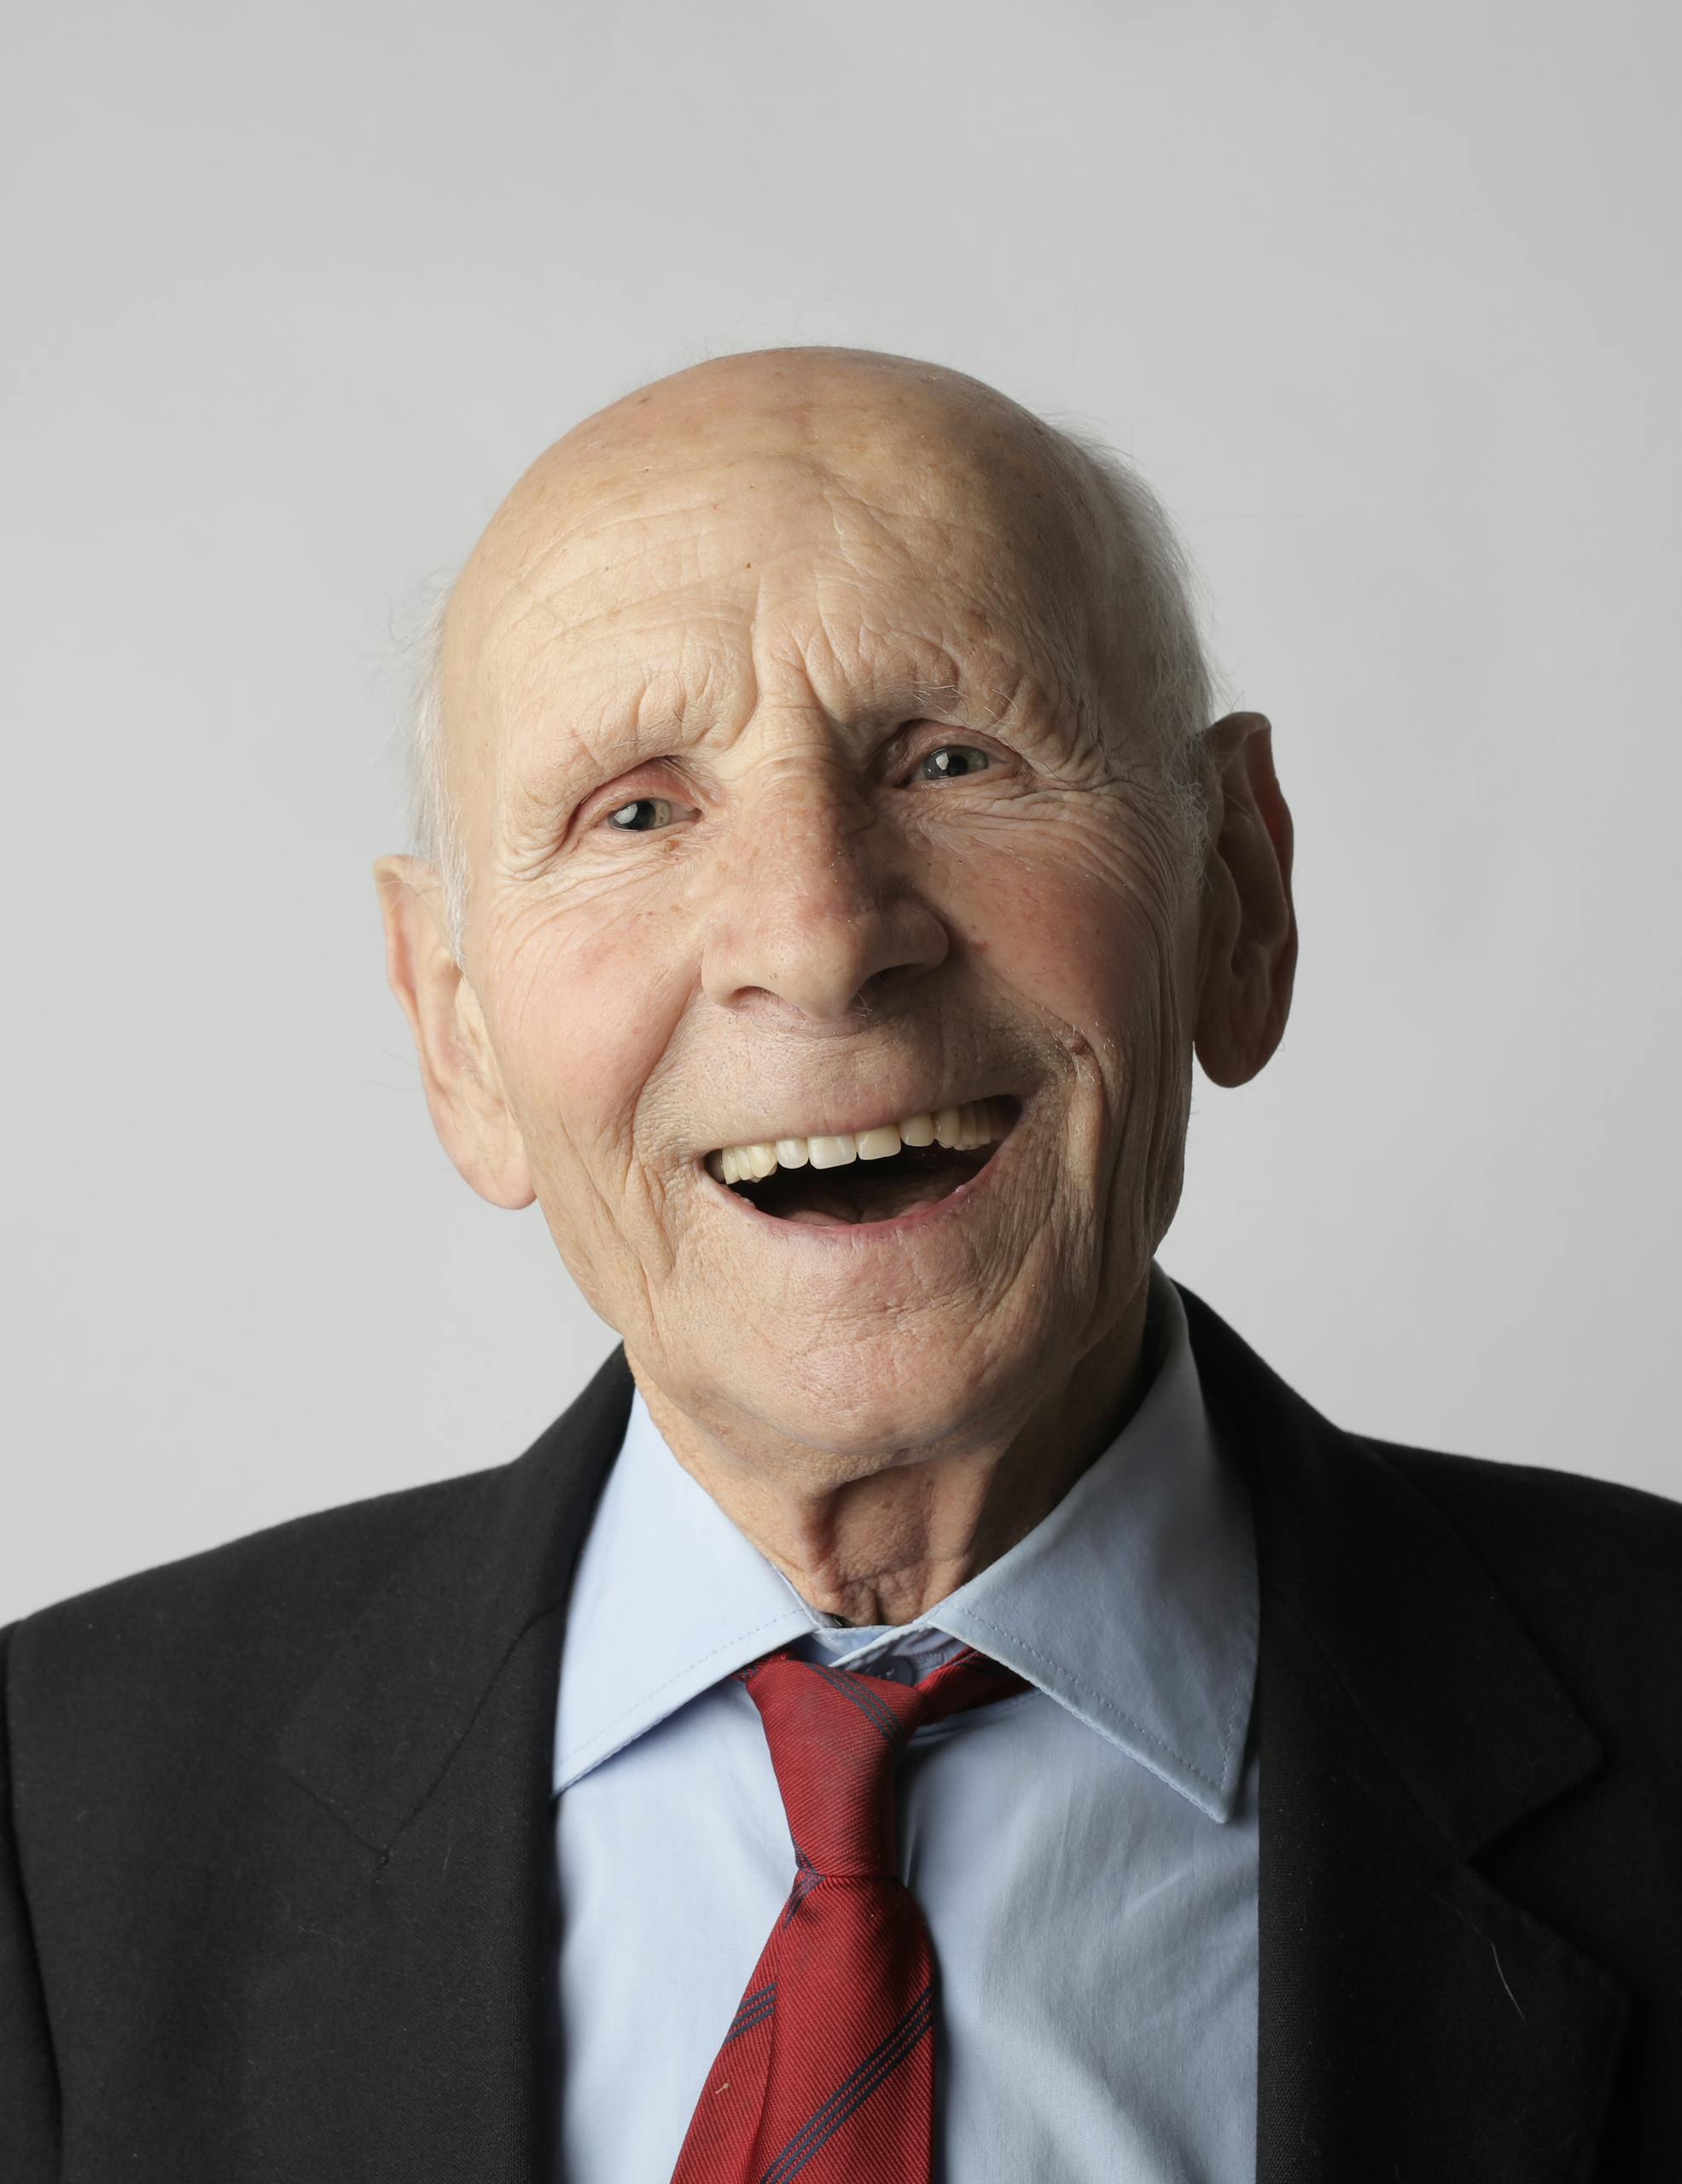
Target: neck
(884,1545)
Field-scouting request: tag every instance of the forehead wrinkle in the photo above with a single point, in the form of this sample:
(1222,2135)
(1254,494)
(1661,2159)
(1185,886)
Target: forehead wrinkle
(525,601)
(563,510)
(965,614)
(1006,586)
(864,668)
(568,646)
(666,508)
(549,563)
(541,643)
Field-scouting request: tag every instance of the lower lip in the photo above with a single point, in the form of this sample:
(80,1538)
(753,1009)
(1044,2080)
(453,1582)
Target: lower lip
(856,1234)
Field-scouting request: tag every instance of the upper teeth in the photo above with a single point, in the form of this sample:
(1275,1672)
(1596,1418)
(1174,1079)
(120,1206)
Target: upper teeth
(977,1122)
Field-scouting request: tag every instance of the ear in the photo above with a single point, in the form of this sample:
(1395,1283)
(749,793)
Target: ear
(459,1067)
(1247,940)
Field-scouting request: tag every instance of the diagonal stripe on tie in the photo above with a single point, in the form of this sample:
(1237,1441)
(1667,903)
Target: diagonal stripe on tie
(754,2010)
(848,2098)
(856,1690)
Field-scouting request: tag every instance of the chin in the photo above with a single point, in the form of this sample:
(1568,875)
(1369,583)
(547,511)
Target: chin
(863,1399)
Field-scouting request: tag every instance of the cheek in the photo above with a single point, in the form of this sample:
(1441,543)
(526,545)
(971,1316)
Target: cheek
(585,1011)
(1081,934)
(1065,935)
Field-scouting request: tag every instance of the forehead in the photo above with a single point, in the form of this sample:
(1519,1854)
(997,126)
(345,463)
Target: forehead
(860,554)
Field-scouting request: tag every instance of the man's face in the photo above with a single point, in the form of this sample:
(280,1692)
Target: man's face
(797,809)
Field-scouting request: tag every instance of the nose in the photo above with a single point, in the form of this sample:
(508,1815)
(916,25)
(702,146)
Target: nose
(817,912)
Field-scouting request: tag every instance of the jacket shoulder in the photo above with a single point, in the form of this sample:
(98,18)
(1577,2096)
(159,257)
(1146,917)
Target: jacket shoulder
(246,1625)
(1538,1519)
(1593,1571)
(1574,1547)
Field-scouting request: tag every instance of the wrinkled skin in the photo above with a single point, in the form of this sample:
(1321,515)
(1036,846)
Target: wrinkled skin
(759,595)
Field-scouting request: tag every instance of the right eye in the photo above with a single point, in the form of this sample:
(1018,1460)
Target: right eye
(951,762)
(642,815)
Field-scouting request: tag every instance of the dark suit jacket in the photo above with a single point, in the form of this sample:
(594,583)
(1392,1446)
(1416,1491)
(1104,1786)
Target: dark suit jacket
(277,1898)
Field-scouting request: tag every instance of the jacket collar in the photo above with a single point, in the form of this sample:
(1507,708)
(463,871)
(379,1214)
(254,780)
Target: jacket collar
(375,1735)
(1466,1709)
(1406,1722)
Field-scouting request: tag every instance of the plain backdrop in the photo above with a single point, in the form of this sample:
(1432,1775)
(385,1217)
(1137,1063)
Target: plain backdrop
(1384,303)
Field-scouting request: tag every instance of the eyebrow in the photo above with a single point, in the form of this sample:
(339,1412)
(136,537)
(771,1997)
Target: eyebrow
(604,735)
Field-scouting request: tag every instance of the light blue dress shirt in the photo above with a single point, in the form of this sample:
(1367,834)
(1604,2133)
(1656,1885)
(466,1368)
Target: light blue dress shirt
(1086,1853)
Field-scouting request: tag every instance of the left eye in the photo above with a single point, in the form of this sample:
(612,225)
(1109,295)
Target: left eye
(641,816)
(953,761)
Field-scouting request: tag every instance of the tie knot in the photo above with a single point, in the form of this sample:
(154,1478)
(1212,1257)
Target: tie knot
(835,1736)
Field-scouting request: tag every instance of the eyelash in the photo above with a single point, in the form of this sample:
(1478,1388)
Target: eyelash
(633,803)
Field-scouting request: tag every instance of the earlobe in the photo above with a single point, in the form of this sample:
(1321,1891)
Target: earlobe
(1248,944)
(458,1071)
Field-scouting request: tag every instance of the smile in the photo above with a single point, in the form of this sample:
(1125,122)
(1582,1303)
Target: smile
(883,1173)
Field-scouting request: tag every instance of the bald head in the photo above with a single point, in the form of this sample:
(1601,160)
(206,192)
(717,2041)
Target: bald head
(822,416)
(863,439)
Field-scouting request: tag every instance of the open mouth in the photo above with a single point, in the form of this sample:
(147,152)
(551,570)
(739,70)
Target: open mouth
(868,1175)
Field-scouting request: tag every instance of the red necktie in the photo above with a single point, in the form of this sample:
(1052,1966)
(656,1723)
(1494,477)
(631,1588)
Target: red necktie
(827,2070)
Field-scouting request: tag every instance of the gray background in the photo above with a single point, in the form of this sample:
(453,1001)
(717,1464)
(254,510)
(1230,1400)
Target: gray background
(1383,300)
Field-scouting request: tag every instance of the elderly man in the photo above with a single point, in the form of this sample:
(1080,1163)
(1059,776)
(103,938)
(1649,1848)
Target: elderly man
(937,1704)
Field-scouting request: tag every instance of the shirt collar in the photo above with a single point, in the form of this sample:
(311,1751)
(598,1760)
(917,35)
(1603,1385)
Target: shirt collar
(1134,1603)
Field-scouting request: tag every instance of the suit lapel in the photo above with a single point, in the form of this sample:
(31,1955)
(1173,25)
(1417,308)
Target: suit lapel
(1415,2022)
(404,2028)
